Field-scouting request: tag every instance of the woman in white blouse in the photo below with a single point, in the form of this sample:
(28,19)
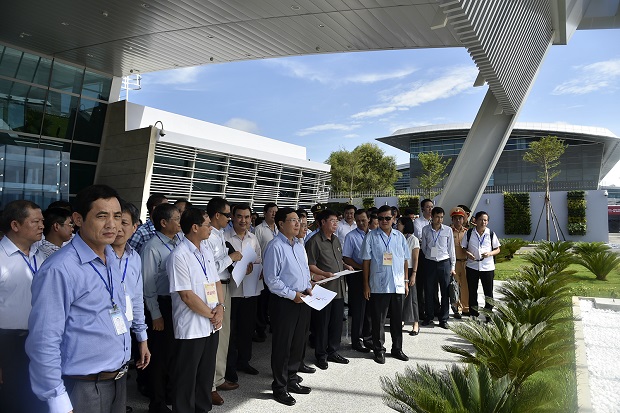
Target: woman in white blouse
(410,304)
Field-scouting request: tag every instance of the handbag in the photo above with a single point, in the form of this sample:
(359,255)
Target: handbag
(454,291)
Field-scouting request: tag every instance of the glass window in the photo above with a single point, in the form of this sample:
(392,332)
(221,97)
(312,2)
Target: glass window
(242,164)
(96,86)
(90,119)
(172,161)
(9,61)
(205,187)
(34,69)
(59,115)
(63,145)
(84,153)
(209,166)
(171,172)
(82,175)
(67,78)
(213,177)
(21,107)
(212,158)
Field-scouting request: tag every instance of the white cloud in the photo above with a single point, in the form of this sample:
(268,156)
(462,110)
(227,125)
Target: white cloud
(311,73)
(242,124)
(590,78)
(352,135)
(182,76)
(326,127)
(452,82)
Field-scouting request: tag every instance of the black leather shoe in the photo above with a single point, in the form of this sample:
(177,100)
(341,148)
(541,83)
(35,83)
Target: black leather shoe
(380,358)
(398,354)
(249,370)
(429,323)
(298,388)
(444,325)
(284,397)
(457,316)
(303,368)
(337,358)
(322,364)
(466,314)
(361,348)
(298,378)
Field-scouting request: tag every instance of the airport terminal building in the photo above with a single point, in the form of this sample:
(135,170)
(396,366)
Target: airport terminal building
(589,156)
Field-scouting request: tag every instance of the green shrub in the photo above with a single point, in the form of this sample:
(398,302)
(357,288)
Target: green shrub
(509,246)
(517,214)
(368,203)
(409,201)
(599,263)
(587,248)
(576,204)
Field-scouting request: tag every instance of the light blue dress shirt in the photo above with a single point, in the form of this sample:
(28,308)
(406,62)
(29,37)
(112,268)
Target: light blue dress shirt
(130,267)
(285,268)
(386,279)
(154,255)
(71,330)
(443,240)
(352,247)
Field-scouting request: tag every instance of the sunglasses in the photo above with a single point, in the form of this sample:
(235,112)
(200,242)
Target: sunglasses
(384,218)
(226,214)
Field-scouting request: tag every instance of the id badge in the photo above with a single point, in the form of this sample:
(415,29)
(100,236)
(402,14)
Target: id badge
(128,308)
(434,252)
(119,322)
(387,258)
(211,293)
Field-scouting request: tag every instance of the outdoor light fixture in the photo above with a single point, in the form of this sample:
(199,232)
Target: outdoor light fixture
(161,131)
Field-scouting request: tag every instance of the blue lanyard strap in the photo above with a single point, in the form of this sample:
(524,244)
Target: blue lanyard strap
(162,241)
(202,263)
(435,238)
(110,287)
(125,270)
(35,269)
(360,233)
(387,244)
(480,240)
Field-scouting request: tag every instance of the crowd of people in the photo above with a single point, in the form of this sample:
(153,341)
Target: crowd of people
(86,289)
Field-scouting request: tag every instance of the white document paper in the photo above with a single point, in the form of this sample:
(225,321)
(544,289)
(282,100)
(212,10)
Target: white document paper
(320,297)
(241,267)
(336,276)
(252,286)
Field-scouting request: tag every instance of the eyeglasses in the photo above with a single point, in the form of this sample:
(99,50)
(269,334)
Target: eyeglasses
(71,224)
(384,218)
(293,220)
(176,219)
(226,214)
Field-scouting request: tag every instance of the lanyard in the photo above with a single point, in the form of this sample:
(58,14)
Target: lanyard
(435,238)
(162,241)
(202,263)
(387,244)
(360,233)
(480,240)
(34,270)
(110,288)
(125,270)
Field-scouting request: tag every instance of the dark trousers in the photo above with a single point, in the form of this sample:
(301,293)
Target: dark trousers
(242,323)
(109,396)
(15,393)
(381,303)
(437,273)
(328,328)
(358,310)
(289,325)
(486,277)
(262,312)
(193,374)
(161,345)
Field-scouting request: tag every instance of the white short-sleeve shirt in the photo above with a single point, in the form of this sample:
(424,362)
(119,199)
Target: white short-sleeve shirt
(479,244)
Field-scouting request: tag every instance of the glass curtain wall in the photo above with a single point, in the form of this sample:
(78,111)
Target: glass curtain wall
(51,106)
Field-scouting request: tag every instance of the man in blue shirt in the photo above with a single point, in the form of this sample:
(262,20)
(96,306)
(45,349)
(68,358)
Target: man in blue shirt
(385,268)
(287,276)
(79,343)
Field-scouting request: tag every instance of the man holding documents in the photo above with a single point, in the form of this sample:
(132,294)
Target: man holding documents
(385,254)
(287,276)
(244,295)
(325,259)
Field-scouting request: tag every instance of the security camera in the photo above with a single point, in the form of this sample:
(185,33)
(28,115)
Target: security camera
(162,133)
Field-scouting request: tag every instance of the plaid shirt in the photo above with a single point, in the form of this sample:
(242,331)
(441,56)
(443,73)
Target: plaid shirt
(144,233)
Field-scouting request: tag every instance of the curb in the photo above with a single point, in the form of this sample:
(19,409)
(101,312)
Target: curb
(584,403)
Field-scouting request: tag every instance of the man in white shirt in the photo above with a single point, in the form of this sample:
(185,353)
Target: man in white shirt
(418,224)
(265,232)
(22,223)
(198,309)
(347,224)
(219,214)
(244,301)
(440,260)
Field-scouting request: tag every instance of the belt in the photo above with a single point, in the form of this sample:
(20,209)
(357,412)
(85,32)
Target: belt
(103,376)
(226,281)
(11,332)
(461,259)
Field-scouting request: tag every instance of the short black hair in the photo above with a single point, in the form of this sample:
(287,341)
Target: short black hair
(269,205)
(190,217)
(324,215)
(241,207)
(181,200)
(350,206)
(301,213)
(424,201)
(154,200)
(53,216)
(385,208)
(362,211)
(408,211)
(282,213)
(407,224)
(215,205)
(162,211)
(437,210)
(16,211)
(131,209)
(84,199)
(481,213)
(60,204)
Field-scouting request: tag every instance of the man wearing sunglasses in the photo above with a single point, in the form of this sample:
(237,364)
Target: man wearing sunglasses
(218,210)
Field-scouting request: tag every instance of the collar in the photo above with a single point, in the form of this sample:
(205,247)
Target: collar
(86,254)
(463,229)
(10,248)
(165,237)
(285,240)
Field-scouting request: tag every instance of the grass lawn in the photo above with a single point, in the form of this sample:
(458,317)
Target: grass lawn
(584,283)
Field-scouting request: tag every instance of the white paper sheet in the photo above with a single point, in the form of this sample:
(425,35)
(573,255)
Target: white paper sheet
(320,297)
(337,275)
(241,267)
(252,286)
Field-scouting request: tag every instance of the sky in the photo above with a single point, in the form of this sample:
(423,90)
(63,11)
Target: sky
(328,102)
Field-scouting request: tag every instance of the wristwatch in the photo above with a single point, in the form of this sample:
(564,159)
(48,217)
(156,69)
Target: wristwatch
(222,304)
